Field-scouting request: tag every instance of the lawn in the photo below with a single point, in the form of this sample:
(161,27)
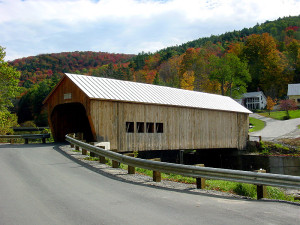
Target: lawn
(279,115)
(257,124)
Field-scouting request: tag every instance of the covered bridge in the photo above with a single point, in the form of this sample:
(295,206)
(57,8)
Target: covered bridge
(137,116)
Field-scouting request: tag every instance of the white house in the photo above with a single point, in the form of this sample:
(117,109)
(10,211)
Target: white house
(294,93)
(254,100)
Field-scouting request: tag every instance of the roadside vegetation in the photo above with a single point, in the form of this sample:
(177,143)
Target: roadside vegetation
(247,190)
(256,124)
(291,148)
(281,115)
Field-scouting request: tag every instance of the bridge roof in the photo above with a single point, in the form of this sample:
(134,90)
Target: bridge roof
(119,90)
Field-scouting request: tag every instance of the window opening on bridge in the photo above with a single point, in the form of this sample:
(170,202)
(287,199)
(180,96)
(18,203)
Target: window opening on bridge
(150,127)
(159,127)
(140,126)
(129,127)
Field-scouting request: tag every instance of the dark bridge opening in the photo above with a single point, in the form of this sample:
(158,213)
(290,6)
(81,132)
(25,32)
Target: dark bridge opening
(70,118)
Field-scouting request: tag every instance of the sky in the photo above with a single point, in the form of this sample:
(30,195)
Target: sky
(32,27)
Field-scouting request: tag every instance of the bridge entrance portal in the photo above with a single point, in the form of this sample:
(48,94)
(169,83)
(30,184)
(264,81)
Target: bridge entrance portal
(70,118)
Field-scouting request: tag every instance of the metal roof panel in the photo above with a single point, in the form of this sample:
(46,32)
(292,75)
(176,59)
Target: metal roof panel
(119,90)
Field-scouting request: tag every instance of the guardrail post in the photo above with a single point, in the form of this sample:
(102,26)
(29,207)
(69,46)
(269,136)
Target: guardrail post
(11,141)
(261,190)
(115,164)
(44,140)
(92,154)
(83,151)
(72,136)
(156,174)
(26,140)
(200,182)
(131,169)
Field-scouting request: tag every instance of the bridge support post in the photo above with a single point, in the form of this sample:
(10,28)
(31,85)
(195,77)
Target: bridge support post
(156,174)
(131,169)
(200,182)
(261,190)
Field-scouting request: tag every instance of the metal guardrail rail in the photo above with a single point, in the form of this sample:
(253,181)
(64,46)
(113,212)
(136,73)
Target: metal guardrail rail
(268,179)
(27,136)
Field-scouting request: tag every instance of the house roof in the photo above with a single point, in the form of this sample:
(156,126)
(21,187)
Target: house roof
(119,90)
(253,94)
(293,89)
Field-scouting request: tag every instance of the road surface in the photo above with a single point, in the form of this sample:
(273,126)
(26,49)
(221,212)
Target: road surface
(40,185)
(276,129)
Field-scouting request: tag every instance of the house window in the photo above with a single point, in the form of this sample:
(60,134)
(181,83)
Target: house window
(129,127)
(298,100)
(150,127)
(140,126)
(159,127)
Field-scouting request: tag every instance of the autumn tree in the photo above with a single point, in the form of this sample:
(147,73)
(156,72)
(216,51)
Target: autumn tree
(9,78)
(270,104)
(287,105)
(267,65)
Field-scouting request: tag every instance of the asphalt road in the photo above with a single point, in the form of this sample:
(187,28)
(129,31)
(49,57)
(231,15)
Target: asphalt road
(276,129)
(40,185)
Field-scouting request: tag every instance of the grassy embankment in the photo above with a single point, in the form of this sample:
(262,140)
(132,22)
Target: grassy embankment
(257,124)
(280,115)
(248,190)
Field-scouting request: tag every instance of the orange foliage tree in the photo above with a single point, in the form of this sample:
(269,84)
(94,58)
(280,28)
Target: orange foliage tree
(271,103)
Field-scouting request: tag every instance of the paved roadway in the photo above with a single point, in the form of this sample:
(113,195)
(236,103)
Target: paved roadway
(39,185)
(276,129)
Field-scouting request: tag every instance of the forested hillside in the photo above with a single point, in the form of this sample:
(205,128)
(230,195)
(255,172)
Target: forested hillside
(35,69)
(265,57)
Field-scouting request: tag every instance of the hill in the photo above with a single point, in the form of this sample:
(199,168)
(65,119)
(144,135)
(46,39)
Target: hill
(264,57)
(35,69)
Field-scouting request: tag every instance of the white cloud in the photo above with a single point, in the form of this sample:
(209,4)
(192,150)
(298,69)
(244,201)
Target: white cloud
(32,27)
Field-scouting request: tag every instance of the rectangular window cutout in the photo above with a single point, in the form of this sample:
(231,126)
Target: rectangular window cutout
(68,96)
(129,127)
(159,127)
(140,126)
(150,127)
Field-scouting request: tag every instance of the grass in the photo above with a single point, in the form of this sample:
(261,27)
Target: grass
(248,190)
(257,124)
(279,115)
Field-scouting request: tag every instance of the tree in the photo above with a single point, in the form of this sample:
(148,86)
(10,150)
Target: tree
(232,74)
(287,105)
(270,104)
(267,66)
(9,79)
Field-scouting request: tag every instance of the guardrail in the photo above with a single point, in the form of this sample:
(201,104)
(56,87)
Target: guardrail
(29,128)
(256,178)
(26,137)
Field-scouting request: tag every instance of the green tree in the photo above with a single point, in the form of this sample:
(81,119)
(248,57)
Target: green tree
(232,74)
(9,79)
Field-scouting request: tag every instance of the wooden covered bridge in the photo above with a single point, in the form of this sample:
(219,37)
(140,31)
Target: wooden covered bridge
(137,116)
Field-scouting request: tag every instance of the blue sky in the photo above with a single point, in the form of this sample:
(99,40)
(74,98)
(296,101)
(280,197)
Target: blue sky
(32,27)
